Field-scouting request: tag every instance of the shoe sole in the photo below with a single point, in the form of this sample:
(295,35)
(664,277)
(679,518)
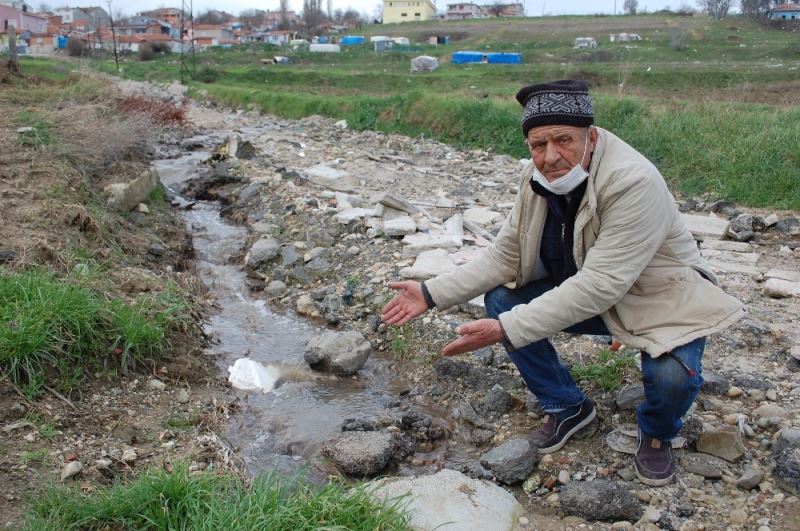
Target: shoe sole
(585,422)
(653,482)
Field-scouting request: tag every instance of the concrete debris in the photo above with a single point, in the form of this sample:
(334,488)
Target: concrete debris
(352,214)
(781,289)
(126,196)
(482,216)
(428,265)
(400,226)
(414,244)
(332,178)
(706,227)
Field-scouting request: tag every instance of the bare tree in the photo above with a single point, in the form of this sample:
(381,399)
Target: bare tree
(718,9)
(252,18)
(755,8)
(495,9)
(630,6)
(284,10)
(312,14)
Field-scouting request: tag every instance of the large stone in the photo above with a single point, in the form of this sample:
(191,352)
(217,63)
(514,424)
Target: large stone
(724,442)
(630,396)
(732,262)
(714,383)
(125,196)
(789,226)
(275,289)
(783,274)
(724,245)
(786,452)
(346,216)
(705,227)
(599,500)
(451,500)
(361,453)
(331,178)
(768,411)
(262,251)
(414,244)
(482,216)
(512,461)
(342,353)
(498,400)
(71,469)
(428,265)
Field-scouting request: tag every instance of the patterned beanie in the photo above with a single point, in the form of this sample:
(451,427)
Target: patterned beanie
(564,102)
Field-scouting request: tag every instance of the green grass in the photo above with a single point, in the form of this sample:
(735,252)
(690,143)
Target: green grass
(208,501)
(39,457)
(41,133)
(608,371)
(51,329)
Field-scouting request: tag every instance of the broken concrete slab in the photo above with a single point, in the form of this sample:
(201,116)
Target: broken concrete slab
(388,213)
(454,225)
(781,289)
(429,264)
(414,244)
(482,216)
(722,245)
(783,274)
(125,196)
(731,262)
(331,178)
(346,201)
(397,203)
(401,226)
(346,216)
(706,227)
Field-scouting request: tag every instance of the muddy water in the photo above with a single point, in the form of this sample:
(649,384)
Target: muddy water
(289,424)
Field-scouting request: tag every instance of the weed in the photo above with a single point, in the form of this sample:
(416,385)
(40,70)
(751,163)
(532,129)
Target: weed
(39,133)
(39,457)
(608,371)
(179,500)
(208,75)
(182,421)
(158,197)
(400,341)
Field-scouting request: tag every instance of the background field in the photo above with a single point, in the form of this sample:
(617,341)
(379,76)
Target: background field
(713,104)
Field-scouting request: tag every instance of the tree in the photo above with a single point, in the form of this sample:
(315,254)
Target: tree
(252,18)
(312,14)
(718,9)
(755,8)
(496,9)
(630,6)
(284,10)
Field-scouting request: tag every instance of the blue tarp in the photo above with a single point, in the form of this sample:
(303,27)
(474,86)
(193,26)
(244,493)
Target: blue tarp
(465,57)
(62,42)
(349,40)
(322,39)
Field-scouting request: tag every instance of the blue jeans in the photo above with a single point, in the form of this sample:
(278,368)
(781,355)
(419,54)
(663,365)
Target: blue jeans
(669,388)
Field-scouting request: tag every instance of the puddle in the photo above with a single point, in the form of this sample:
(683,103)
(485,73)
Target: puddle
(305,409)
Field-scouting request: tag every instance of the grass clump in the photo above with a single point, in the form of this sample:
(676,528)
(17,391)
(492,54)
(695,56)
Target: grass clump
(53,328)
(607,371)
(180,500)
(38,132)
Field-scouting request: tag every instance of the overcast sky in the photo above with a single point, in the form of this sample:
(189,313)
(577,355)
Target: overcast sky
(532,7)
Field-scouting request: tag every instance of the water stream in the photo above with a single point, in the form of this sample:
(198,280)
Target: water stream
(290,423)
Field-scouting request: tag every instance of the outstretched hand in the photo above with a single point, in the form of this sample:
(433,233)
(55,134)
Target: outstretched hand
(475,335)
(406,305)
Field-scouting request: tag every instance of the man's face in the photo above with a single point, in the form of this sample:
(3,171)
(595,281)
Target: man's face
(557,148)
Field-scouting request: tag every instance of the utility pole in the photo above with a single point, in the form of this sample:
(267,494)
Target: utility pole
(113,35)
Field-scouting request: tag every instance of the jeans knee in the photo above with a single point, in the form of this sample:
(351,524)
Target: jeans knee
(672,382)
(495,301)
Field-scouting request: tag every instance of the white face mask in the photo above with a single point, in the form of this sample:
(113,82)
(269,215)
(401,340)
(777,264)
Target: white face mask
(567,182)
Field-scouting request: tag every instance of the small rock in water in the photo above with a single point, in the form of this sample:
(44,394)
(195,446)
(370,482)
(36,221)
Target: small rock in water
(306,306)
(361,453)
(342,353)
(512,461)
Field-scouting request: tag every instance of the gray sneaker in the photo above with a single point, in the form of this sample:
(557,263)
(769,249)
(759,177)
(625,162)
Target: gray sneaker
(654,462)
(559,427)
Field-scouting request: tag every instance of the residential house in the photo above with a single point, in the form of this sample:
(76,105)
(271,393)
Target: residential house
(84,18)
(132,43)
(785,12)
(395,11)
(22,21)
(510,10)
(464,10)
(17,4)
(212,35)
(169,15)
(140,25)
(272,19)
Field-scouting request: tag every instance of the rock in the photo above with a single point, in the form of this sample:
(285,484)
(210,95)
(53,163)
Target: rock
(125,196)
(481,436)
(342,353)
(714,383)
(245,151)
(794,352)
(360,453)
(512,461)
(750,478)
(704,465)
(790,226)
(725,443)
(7,256)
(451,500)
(414,244)
(341,124)
(400,226)
(450,368)
(144,209)
(485,356)
(346,216)
(738,517)
(262,251)
(275,289)
(482,216)
(429,264)
(71,469)
(498,400)
(156,385)
(630,396)
(289,256)
(741,228)
(306,306)
(780,289)
(563,477)
(183,396)
(652,515)
(103,464)
(129,456)
(599,500)
(786,452)
(769,411)
(156,249)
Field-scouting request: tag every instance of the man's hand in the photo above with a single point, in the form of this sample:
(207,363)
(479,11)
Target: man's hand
(406,305)
(475,335)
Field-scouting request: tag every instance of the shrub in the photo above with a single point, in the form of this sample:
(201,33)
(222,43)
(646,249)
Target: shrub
(161,47)
(679,40)
(207,75)
(77,48)
(146,52)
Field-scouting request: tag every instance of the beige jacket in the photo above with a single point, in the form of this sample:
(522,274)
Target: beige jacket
(638,266)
